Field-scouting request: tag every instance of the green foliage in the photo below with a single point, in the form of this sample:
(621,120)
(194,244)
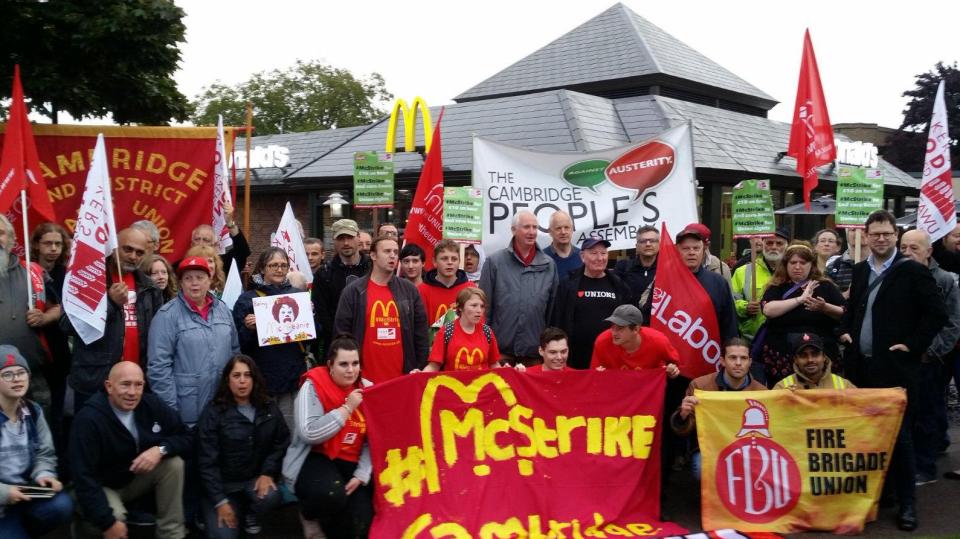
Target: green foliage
(306,97)
(93,58)
(906,147)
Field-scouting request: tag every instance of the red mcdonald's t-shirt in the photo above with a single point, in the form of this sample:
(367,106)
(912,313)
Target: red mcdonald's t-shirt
(382,348)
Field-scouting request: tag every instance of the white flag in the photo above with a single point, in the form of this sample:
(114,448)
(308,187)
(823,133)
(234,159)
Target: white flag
(289,238)
(233,287)
(936,212)
(221,192)
(95,237)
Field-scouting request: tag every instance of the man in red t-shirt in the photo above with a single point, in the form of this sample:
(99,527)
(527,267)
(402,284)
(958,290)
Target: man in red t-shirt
(554,350)
(385,314)
(630,346)
(441,285)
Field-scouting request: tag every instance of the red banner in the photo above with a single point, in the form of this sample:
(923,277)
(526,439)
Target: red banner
(507,454)
(683,312)
(163,174)
(425,221)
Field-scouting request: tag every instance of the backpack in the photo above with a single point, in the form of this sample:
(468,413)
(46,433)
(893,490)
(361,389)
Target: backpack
(448,329)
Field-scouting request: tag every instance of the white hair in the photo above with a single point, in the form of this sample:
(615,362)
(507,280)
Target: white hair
(147,227)
(516,217)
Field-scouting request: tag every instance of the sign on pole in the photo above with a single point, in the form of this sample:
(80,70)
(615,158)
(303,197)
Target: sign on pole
(753,209)
(372,180)
(859,192)
(463,214)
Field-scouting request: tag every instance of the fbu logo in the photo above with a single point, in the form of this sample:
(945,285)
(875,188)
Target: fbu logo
(757,479)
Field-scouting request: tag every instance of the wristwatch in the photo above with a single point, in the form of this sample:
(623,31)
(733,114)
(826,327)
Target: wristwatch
(163,450)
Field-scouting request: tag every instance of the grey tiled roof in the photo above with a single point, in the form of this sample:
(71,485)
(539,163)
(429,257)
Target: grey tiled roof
(567,121)
(616,44)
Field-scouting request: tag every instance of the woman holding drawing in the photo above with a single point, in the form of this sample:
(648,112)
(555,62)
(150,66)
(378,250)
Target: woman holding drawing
(272,341)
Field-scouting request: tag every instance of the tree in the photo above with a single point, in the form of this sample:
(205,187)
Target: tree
(906,148)
(306,97)
(91,59)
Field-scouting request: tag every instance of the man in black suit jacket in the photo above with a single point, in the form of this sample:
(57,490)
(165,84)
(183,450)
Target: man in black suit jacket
(893,314)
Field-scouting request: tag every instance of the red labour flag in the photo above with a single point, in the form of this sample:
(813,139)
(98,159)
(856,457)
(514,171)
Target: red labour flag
(811,136)
(425,222)
(20,166)
(683,312)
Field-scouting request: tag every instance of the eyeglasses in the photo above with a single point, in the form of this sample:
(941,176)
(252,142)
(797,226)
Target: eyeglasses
(878,235)
(278,266)
(9,376)
(647,242)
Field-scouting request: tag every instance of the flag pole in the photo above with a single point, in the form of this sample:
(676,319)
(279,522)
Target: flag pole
(246,175)
(26,249)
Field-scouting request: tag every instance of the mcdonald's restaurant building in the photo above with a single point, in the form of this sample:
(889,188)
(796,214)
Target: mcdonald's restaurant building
(616,79)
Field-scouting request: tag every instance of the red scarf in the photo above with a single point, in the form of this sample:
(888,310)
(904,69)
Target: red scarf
(346,444)
(35,274)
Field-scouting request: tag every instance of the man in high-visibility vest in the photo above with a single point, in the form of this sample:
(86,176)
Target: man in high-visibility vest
(811,368)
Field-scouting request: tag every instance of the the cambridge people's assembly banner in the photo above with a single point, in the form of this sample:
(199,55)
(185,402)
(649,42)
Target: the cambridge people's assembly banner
(791,461)
(163,174)
(609,193)
(507,454)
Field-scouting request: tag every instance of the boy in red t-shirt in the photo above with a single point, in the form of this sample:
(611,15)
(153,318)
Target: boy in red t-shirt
(441,285)
(629,346)
(467,343)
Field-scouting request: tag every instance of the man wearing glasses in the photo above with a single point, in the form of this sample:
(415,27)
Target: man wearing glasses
(638,272)
(32,501)
(133,300)
(895,311)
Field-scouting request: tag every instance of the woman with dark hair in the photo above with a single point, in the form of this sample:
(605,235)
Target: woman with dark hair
(826,244)
(281,364)
(242,439)
(328,463)
(163,276)
(798,300)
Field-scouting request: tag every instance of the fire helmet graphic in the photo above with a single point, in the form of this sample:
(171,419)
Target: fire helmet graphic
(756,419)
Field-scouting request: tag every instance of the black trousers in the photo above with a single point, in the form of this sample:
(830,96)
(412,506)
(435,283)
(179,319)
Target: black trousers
(321,489)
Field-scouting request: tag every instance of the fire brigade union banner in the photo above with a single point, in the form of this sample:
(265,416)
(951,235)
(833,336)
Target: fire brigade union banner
(791,461)
(609,194)
(507,454)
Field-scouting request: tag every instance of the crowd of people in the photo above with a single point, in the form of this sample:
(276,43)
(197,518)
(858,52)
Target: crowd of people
(179,415)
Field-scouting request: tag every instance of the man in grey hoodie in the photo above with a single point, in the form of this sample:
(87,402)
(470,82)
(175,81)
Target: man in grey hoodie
(32,501)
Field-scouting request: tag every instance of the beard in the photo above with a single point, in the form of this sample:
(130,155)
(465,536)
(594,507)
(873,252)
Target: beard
(773,258)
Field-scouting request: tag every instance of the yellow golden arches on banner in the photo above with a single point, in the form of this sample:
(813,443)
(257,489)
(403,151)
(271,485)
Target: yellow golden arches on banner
(409,125)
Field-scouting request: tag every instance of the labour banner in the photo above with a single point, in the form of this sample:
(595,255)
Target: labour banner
(95,237)
(289,238)
(463,214)
(609,194)
(372,180)
(284,318)
(791,461)
(753,209)
(508,454)
(859,192)
(936,212)
(164,174)
(682,310)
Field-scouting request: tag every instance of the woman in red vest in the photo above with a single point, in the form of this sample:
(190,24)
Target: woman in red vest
(328,464)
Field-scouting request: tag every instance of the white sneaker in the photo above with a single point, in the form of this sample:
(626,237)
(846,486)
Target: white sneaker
(251,525)
(311,528)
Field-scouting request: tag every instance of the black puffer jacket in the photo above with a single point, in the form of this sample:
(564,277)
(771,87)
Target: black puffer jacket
(281,364)
(234,450)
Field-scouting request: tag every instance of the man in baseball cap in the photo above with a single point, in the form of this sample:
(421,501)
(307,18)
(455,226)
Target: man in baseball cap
(329,282)
(749,314)
(811,368)
(627,345)
(585,298)
(710,261)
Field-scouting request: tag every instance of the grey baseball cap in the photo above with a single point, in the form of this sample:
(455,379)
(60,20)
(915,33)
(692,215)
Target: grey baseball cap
(626,315)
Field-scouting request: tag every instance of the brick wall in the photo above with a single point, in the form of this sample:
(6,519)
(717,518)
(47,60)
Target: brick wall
(265,213)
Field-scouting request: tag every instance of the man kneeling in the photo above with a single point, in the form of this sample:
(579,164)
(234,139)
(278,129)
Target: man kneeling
(734,375)
(125,445)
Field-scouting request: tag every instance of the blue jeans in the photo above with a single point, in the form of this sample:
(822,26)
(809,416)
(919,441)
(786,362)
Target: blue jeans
(696,464)
(243,502)
(35,518)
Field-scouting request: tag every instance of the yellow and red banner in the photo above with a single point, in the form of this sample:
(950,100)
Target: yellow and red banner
(163,174)
(507,454)
(792,461)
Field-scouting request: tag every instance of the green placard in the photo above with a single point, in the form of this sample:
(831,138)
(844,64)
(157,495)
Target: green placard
(753,209)
(859,192)
(372,180)
(463,214)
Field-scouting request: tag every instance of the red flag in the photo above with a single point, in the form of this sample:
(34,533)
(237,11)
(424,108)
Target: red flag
(683,312)
(811,136)
(425,222)
(20,166)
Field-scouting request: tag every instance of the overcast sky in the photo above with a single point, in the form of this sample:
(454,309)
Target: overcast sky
(869,52)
